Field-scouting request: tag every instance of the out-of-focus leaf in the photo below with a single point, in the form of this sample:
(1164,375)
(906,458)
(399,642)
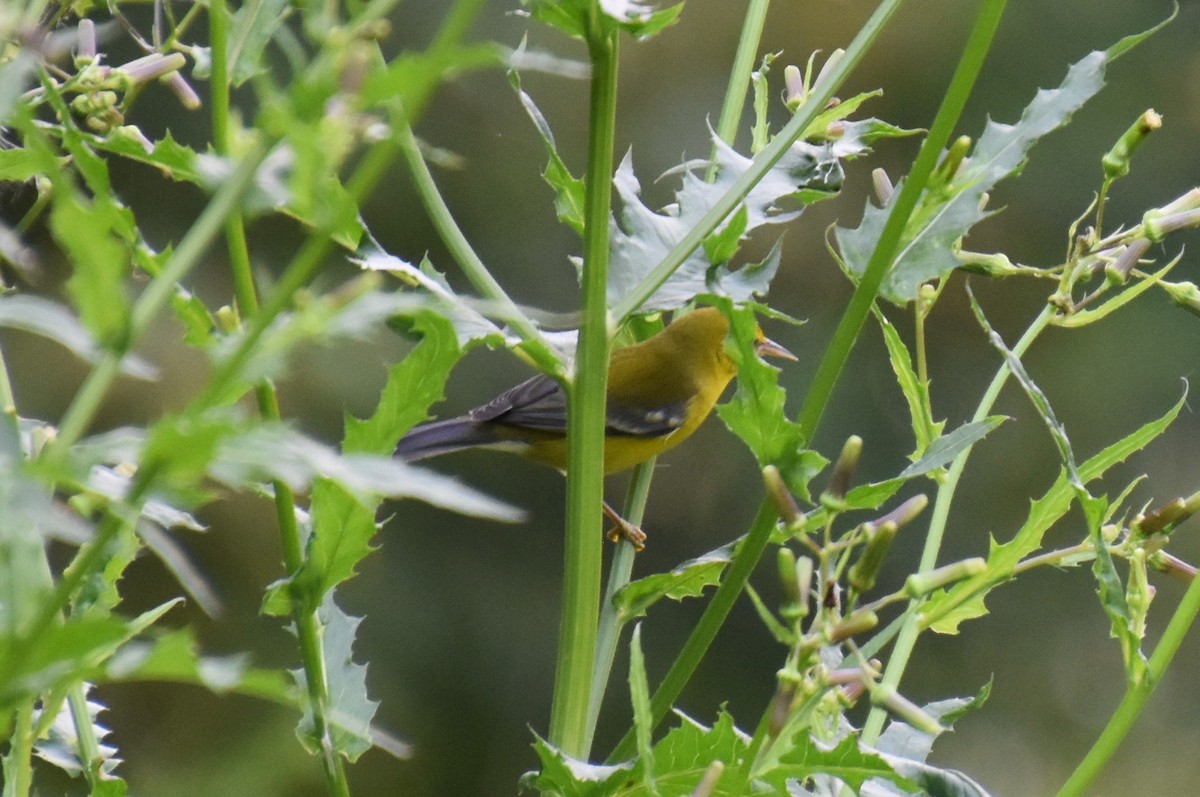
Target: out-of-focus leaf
(643,723)
(99,265)
(268,452)
(54,321)
(573,17)
(253,25)
(434,293)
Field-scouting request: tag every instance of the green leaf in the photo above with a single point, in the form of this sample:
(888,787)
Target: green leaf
(350,709)
(174,160)
(947,212)
(253,25)
(99,265)
(569,777)
(934,781)
(846,761)
(944,449)
(568,189)
(916,392)
(342,529)
(723,244)
(643,722)
(174,657)
(59,746)
(965,600)
(268,452)
(642,237)
(413,385)
(755,413)
(686,580)
(54,321)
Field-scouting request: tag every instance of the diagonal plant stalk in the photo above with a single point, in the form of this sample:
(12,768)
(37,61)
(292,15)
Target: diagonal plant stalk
(1136,695)
(585,415)
(822,93)
(855,315)
(754,544)
(959,90)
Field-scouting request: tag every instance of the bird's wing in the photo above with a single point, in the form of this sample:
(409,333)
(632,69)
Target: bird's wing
(536,403)
(640,421)
(539,404)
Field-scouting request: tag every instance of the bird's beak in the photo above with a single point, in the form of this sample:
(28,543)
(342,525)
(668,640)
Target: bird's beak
(765,347)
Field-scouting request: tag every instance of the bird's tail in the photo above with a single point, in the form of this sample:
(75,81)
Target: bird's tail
(444,437)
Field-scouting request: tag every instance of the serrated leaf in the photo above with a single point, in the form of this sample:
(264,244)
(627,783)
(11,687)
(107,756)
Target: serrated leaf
(847,760)
(686,580)
(901,740)
(174,160)
(434,293)
(350,709)
(642,237)
(948,211)
(413,385)
(947,608)
(643,722)
(927,780)
(916,393)
(59,745)
(568,189)
(570,777)
(99,265)
(755,413)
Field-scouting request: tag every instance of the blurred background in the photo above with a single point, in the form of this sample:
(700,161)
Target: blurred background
(461,615)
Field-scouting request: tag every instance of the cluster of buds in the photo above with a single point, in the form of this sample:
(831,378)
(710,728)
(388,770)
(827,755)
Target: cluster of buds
(100,88)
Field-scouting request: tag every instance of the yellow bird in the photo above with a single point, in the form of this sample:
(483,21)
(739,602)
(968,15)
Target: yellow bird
(659,392)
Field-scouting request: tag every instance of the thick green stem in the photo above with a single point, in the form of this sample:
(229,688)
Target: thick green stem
(585,420)
(865,292)
(748,553)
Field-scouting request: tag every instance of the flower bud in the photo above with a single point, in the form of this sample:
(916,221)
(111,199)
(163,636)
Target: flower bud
(952,161)
(886,695)
(708,784)
(989,265)
(843,472)
(1180,214)
(781,497)
(905,513)
(920,584)
(857,623)
(1116,160)
(781,706)
(87,42)
(884,188)
(795,91)
(1116,272)
(1184,294)
(862,573)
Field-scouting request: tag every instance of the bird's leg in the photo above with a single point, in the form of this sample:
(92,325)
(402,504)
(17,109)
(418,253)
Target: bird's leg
(623,529)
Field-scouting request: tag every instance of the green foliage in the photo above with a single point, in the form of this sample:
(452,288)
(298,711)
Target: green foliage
(327,112)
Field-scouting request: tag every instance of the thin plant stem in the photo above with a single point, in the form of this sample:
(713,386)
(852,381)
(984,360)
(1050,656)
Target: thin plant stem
(859,307)
(761,164)
(195,243)
(620,569)
(21,750)
(739,74)
(460,249)
(1136,695)
(909,631)
(749,551)
(585,418)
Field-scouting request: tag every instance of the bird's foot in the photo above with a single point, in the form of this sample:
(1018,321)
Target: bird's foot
(624,530)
